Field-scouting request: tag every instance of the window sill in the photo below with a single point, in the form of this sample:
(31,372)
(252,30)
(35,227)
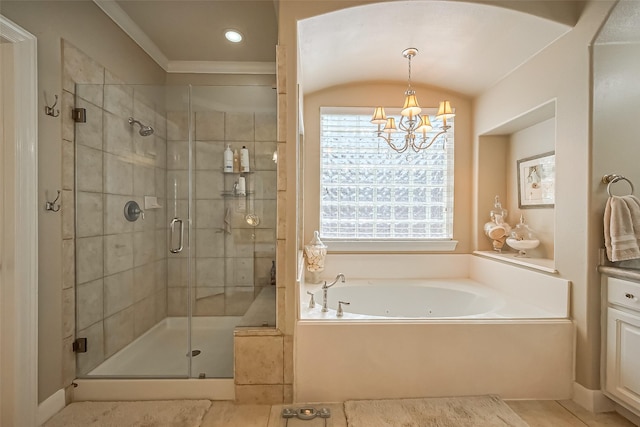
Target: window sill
(391,246)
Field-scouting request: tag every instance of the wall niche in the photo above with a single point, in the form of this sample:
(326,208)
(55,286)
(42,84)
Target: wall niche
(526,136)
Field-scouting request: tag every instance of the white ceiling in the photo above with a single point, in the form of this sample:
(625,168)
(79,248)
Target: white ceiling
(464,47)
(189,30)
(622,25)
(188,35)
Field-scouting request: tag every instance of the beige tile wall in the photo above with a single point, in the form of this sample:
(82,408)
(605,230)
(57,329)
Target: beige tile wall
(264,357)
(119,286)
(120,265)
(232,265)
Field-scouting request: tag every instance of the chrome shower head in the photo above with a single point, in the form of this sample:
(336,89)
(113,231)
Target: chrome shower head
(144,130)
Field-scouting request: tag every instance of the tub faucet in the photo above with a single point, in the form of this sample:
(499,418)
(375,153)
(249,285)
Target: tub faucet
(324,291)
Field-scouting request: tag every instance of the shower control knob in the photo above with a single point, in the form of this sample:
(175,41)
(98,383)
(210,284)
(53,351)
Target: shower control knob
(132,211)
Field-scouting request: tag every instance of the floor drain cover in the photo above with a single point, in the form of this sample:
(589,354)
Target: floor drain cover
(306,413)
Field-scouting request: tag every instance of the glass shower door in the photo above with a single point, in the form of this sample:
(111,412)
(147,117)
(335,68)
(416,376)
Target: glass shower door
(171,255)
(124,326)
(234,220)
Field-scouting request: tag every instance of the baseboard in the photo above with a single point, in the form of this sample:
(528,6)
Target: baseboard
(592,400)
(51,406)
(153,389)
(628,414)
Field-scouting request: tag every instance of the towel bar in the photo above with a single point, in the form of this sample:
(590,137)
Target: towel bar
(612,179)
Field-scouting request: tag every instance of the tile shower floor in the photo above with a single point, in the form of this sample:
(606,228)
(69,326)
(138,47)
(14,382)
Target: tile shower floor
(163,350)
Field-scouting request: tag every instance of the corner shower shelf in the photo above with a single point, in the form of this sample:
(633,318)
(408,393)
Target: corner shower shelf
(226,194)
(542,264)
(238,173)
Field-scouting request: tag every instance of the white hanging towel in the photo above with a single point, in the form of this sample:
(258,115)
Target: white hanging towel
(622,228)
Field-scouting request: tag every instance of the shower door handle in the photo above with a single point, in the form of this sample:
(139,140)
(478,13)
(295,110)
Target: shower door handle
(172,226)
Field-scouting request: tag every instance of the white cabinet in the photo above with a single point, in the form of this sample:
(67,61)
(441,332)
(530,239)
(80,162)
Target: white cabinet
(622,343)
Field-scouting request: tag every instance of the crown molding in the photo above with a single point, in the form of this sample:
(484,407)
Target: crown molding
(122,20)
(221,67)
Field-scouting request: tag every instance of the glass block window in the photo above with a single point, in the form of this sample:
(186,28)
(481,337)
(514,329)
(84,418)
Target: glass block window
(370,192)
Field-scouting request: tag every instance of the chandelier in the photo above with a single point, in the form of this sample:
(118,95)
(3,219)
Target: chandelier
(414,125)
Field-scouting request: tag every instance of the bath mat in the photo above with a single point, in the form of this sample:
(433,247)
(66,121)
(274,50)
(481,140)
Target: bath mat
(157,413)
(476,411)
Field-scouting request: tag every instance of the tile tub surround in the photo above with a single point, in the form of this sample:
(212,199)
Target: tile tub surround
(514,358)
(263,373)
(548,292)
(418,299)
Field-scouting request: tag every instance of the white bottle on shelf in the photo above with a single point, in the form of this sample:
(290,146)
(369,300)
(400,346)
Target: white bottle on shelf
(228,160)
(244,159)
(241,189)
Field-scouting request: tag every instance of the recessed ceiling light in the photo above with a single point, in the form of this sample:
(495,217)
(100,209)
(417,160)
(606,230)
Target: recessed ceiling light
(233,36)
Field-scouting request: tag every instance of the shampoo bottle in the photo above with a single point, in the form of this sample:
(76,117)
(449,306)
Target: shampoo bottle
(244,159)
(236,161)
(228,160)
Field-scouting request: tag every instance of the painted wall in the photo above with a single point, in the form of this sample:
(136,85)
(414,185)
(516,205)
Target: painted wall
(562,72)
(497,175)
(89,29)
(7,235)
(388,95)
(616,147)
(534,140)
(490,164)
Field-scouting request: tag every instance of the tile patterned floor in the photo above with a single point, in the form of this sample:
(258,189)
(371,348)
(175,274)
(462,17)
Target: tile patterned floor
(537,413)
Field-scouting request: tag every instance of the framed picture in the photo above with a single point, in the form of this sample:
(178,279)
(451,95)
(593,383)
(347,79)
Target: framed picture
(537,181)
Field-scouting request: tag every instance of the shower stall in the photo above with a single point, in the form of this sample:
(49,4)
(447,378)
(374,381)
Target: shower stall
(170,256)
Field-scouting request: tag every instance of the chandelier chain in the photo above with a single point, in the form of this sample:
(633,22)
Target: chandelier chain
(409,80)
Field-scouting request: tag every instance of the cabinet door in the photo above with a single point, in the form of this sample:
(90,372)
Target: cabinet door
(623,356)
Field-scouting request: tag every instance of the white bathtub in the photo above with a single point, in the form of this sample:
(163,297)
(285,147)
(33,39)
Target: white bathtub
(377,299)
(501,330)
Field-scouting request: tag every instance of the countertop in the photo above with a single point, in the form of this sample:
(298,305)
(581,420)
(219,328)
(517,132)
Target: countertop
(620,272)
